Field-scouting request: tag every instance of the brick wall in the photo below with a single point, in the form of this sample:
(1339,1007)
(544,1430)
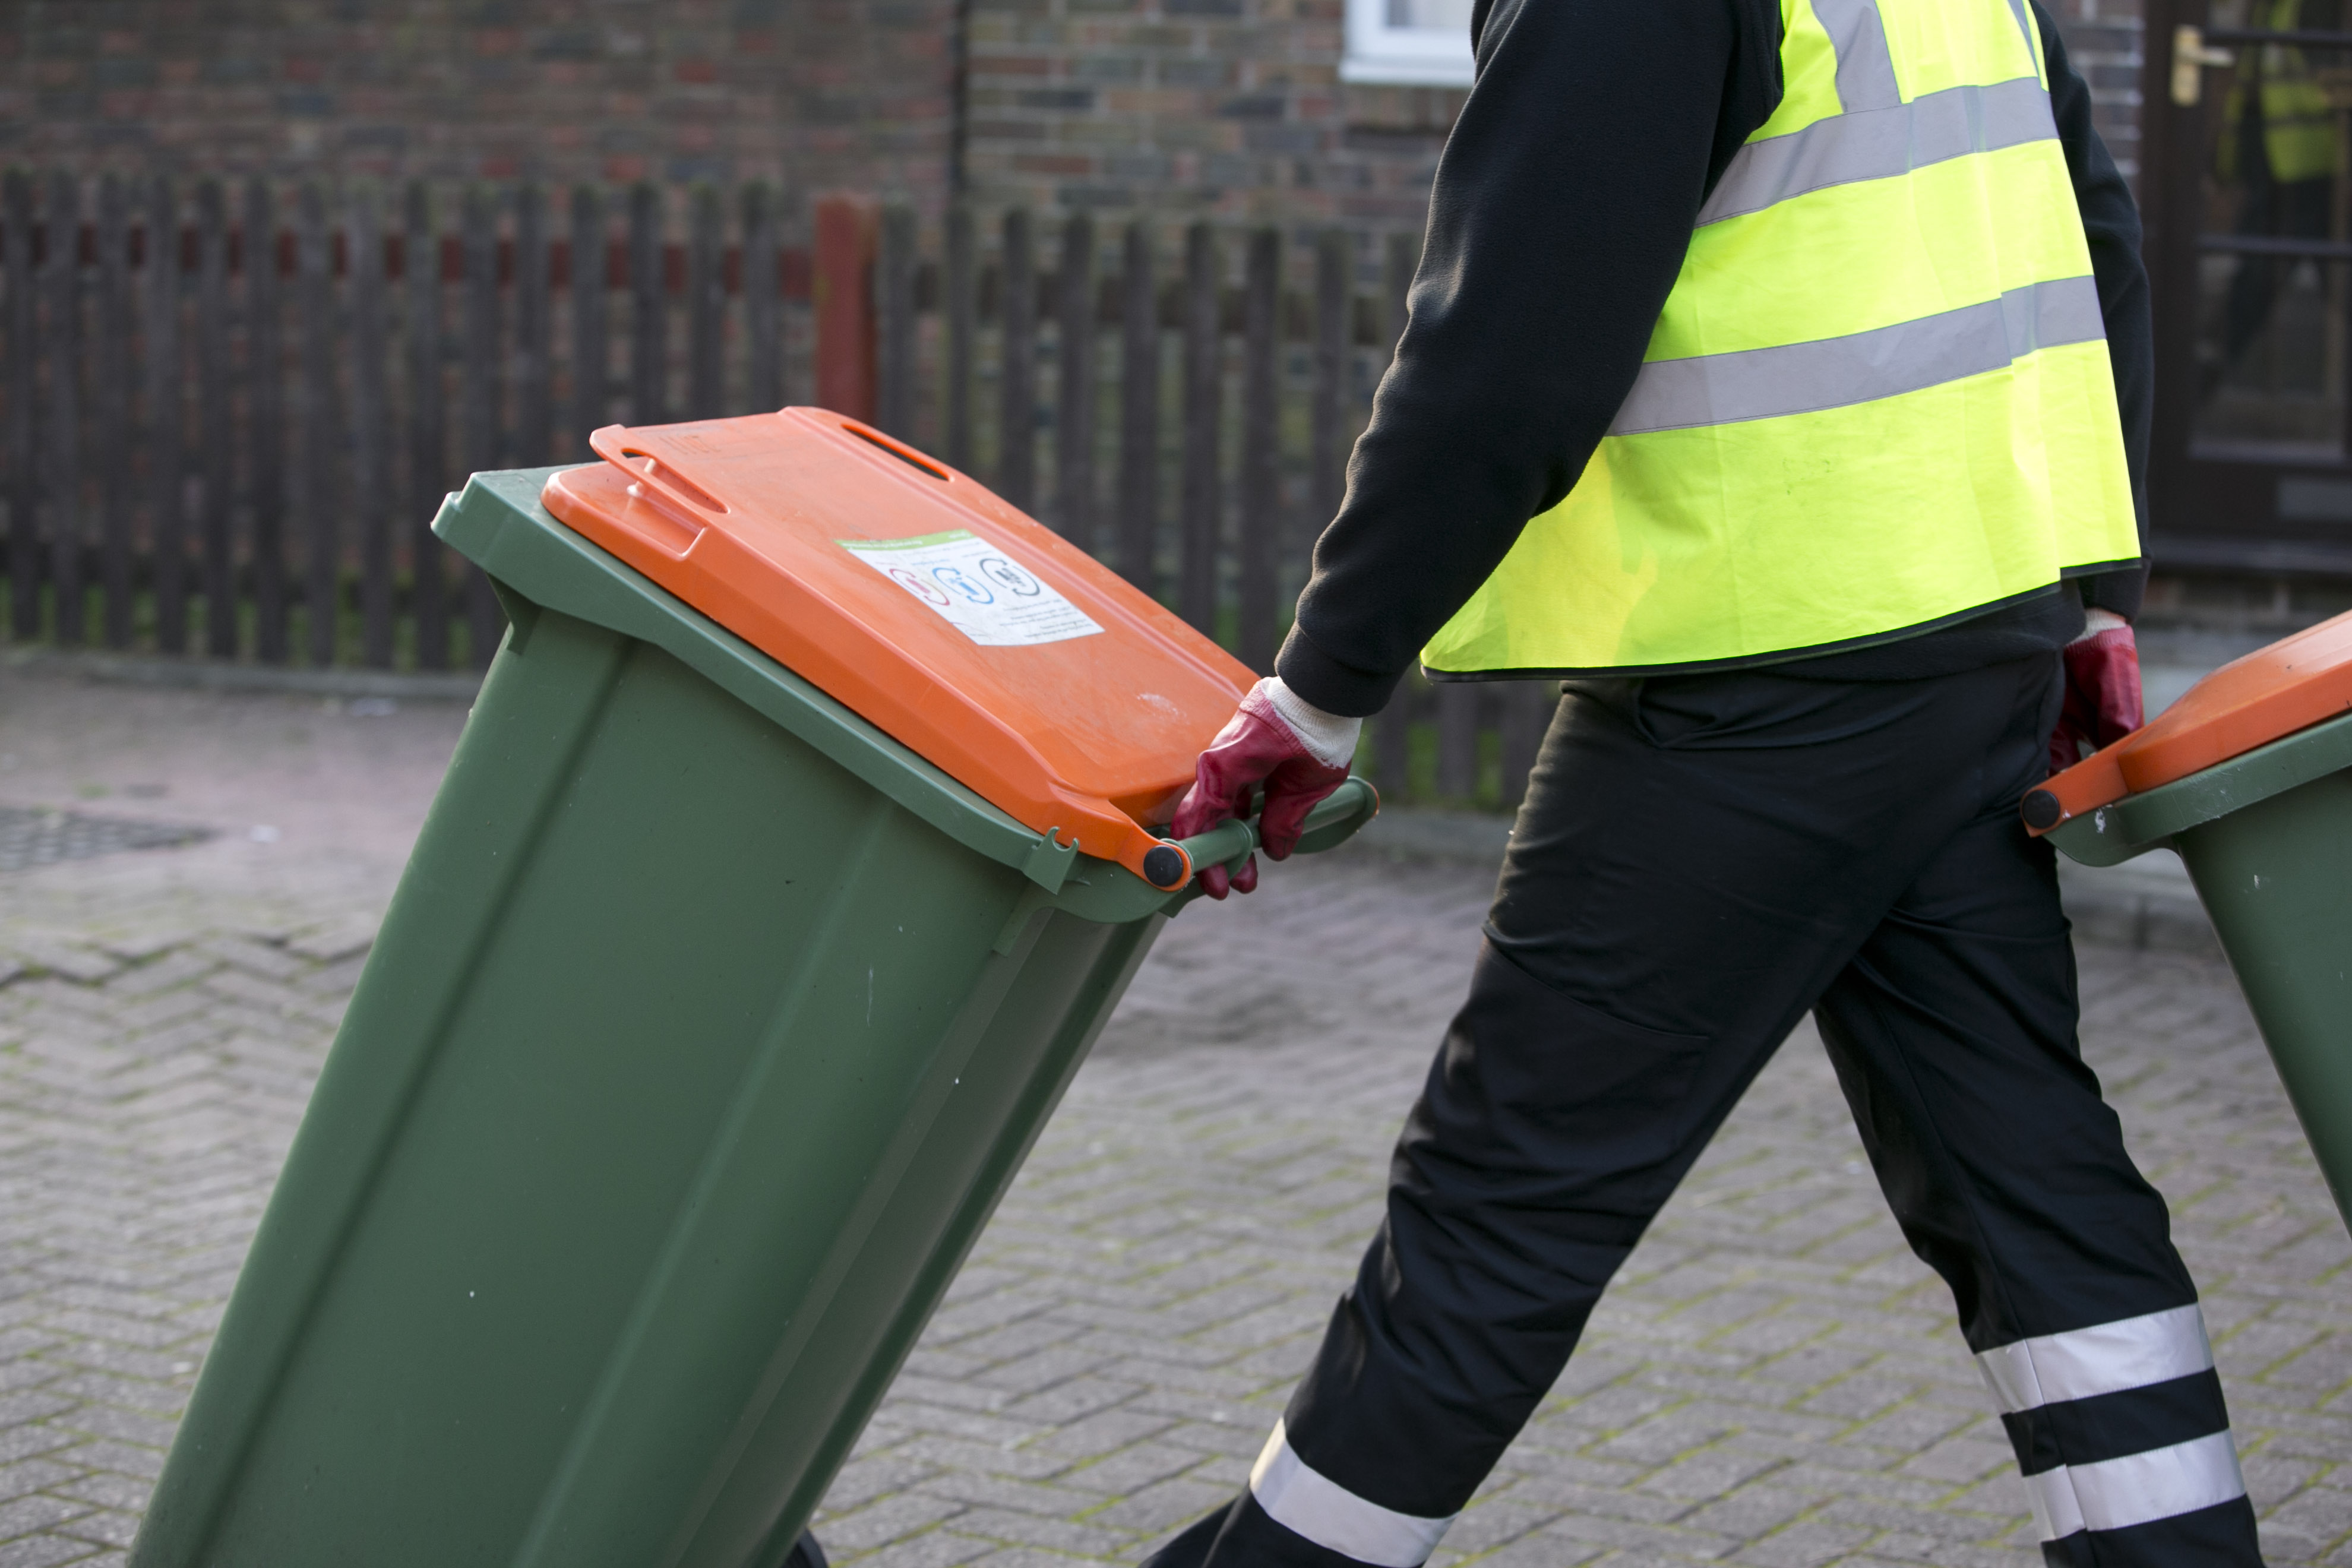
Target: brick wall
(1226,108)
(2102,38)
(809,92)
(1234,107)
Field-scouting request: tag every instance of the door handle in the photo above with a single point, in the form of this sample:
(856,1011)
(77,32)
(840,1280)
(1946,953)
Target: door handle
(2191,55)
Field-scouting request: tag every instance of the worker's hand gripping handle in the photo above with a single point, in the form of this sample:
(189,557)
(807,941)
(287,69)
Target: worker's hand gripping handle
(1173,863)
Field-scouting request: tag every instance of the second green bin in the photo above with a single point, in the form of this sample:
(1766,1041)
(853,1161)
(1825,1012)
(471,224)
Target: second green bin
(2248,777)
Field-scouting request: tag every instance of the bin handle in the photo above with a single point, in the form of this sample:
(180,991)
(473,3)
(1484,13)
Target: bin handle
(627,450)
(1172,863)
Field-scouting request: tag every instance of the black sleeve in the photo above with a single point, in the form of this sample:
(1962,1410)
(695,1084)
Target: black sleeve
(2111,223)
(1563,207)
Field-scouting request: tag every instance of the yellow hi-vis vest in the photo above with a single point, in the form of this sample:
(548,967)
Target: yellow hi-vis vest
(2298,121)
(1878,398)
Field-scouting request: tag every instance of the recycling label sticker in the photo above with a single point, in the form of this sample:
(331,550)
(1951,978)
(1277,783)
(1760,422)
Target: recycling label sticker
(977,588)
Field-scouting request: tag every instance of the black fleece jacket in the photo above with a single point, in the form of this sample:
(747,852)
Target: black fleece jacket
(1562,208)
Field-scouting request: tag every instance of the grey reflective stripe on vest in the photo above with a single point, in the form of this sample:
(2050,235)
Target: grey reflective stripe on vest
(2025,28)
(1865,66)
(1862,367)
(1882,144)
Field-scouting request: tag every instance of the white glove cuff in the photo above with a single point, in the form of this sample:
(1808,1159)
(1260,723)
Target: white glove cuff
(1329,737)
(2095,621)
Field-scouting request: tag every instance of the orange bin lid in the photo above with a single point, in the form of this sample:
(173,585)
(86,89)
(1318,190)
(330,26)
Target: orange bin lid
(2266,696)
(1016,663)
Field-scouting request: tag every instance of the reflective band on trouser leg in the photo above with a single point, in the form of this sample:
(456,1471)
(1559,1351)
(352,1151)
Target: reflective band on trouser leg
(2131,1360)
(2108,1358)
(2138,1489)
(1881,144)
(1331,1516)
(1862,367)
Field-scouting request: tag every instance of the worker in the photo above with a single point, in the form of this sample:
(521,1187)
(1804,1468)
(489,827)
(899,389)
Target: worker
(1777,378)
(2278,148)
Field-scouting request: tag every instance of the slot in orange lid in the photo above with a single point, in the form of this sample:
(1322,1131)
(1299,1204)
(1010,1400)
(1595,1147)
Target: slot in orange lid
(1013,660)
(2266,696)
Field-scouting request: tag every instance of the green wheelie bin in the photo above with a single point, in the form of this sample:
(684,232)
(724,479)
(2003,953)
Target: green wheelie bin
(719,1002)
(2249,778)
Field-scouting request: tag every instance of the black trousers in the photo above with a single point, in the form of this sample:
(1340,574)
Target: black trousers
(1701,860)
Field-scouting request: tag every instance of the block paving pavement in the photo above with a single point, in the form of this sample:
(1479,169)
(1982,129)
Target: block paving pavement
(1773,1379)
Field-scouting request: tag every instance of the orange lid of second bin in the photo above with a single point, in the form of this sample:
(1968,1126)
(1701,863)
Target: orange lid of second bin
(2269,694)
(983,641)
(2266,696)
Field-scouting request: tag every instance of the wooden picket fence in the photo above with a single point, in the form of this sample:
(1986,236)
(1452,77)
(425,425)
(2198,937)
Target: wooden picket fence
(228,414)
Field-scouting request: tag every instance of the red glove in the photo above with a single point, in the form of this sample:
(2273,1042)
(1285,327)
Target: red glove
(1257,746)
(2103,700)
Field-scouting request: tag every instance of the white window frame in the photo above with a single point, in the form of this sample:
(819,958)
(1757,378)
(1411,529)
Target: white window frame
(1378,53)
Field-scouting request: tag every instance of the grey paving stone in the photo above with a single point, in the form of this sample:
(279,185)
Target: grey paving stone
(331,941)
(1751,1511)
(983,1490)
(1804,1545)
(1008,1458)
(1130,1470)
(26,1442)
(1065,1536)
(105,1528)
(890,1518)
(1540,1550)
(932,1549)
(119,1458)
(1498,1522)
(1711,1473)
(69,960)
(1107,1432)
(42,1550)
(30,1515)
(1162,1506)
